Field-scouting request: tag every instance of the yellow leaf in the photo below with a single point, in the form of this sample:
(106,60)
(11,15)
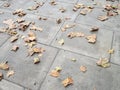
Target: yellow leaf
(67,81)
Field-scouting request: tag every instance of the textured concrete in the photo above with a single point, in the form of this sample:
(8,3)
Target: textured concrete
(30,76)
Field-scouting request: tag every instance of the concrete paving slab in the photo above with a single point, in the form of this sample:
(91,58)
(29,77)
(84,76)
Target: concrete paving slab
(54,12)
(80,44)
(94,78)
(49,26)
(115,58)
(5,85)
(27,73)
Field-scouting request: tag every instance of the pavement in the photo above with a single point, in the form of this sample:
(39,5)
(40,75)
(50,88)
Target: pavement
(30,76)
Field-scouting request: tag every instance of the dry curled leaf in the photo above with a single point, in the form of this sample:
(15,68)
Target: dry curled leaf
(6,4)
(111,51)
(52,2)
(23,26)
(58,69)
(10,73)
(10,23)
(73,59)
(75,34)
(67,81)
(15,48)
(14,38)
(83,69)
(61,42)
(20,20)
(1,76)
(55,73)
(59,21)
(86,10)
(103,18)
(33,27)
(91,38)
(4,66)
(36,60)
(93,29)
(103,62)
(62,10)
(19,12)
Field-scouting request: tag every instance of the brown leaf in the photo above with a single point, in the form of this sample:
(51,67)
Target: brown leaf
(4,66)
(59,21)
(23,26)
(52,2)
(6,4)
(93,29)
(36,60)
(103,62)
(75,34)
(111,51)
(19,12)
(91,38)
(1,76)
(67,81)
(68,26)
(54,73)
(20,20)
(33,27)
(14,38)
(61,42)
(83,69)
(62,10)
(103,18)
(10,23)
(15,48)
(10,73)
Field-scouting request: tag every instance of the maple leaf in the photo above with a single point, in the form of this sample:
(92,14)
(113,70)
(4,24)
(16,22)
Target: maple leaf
(4,66)
(33,27)
(10,73)
(36,60)
(15,48)
(54,73)
(93,29)
(103,18)
(61,42)
(103,62)
(111,51)
(83,69)
(67,81)
(91,38)
(75,34)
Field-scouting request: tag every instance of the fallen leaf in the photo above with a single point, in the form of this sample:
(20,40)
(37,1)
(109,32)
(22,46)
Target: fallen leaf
(91,38)
(61,42)
(33,27)
(23,26)
(36,60)
(19,12)
(62,10)
(67,81)
(68,26)
(10,23)
(10,73)
(93,29)
(15,48)
(20,20)
(59,21)
(112,13)
(58,69)
(75,34)
(83,69)
(103,62)
(14,38)
(54,73)
(6,4)
(52,2)
(1,76)
(4,66)
(103,18)
(111,51)
(73,59)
